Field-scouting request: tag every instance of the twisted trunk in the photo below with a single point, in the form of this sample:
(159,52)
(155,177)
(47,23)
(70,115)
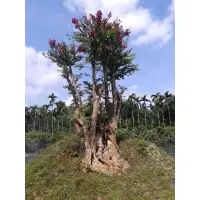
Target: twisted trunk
(102,152)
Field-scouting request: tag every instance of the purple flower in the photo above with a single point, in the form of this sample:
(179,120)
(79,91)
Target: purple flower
(52,43)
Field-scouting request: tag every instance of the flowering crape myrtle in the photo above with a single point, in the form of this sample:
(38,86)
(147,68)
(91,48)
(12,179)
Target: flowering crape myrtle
(102,43)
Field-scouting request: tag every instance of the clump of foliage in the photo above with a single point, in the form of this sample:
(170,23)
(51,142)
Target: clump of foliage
(165,136)
(55,174)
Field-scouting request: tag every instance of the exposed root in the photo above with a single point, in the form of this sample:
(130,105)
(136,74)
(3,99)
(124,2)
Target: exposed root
(105,158)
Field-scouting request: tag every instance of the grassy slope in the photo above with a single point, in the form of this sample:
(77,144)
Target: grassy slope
(55,174)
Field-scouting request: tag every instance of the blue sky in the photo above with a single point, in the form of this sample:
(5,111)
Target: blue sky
(152,39)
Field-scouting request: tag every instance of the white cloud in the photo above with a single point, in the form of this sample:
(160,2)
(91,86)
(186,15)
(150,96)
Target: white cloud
(159,32)
(130,90)
(41,74)
(133,16)
(68,101)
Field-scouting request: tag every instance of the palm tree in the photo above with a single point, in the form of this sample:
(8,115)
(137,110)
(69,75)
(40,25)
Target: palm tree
(162,104)
(52,98)
(168,98)
(40,114)
(34,110)
(144,100)
(60,107)
(27,118)
(137,103)
(45,109)
(155,99)
(131,99)
(151,107)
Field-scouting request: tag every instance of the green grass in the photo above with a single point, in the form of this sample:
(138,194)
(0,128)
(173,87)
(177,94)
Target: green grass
(55,174)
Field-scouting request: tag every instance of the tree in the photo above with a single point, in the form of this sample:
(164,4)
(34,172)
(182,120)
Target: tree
(136,101)
(60,109)
(161,101)
(151,107)
(133,100)
(34,112)
(45,111)
(103,45)
(144,100)
(168,98)
(52,97)
(155,99)
(27,118)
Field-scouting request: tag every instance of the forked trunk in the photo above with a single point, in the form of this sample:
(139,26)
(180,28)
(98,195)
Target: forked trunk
(102,152)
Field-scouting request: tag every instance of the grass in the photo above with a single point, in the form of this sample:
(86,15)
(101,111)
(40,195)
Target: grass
(55,174)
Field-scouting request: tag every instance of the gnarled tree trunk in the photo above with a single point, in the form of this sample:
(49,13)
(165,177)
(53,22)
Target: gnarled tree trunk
(102,152)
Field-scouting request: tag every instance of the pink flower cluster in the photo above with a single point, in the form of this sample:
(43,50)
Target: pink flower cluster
(92,17)
(52,43)
(75,21)
(99,15)
(59,48)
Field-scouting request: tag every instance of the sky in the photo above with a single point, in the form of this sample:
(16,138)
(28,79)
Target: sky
(152,38)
